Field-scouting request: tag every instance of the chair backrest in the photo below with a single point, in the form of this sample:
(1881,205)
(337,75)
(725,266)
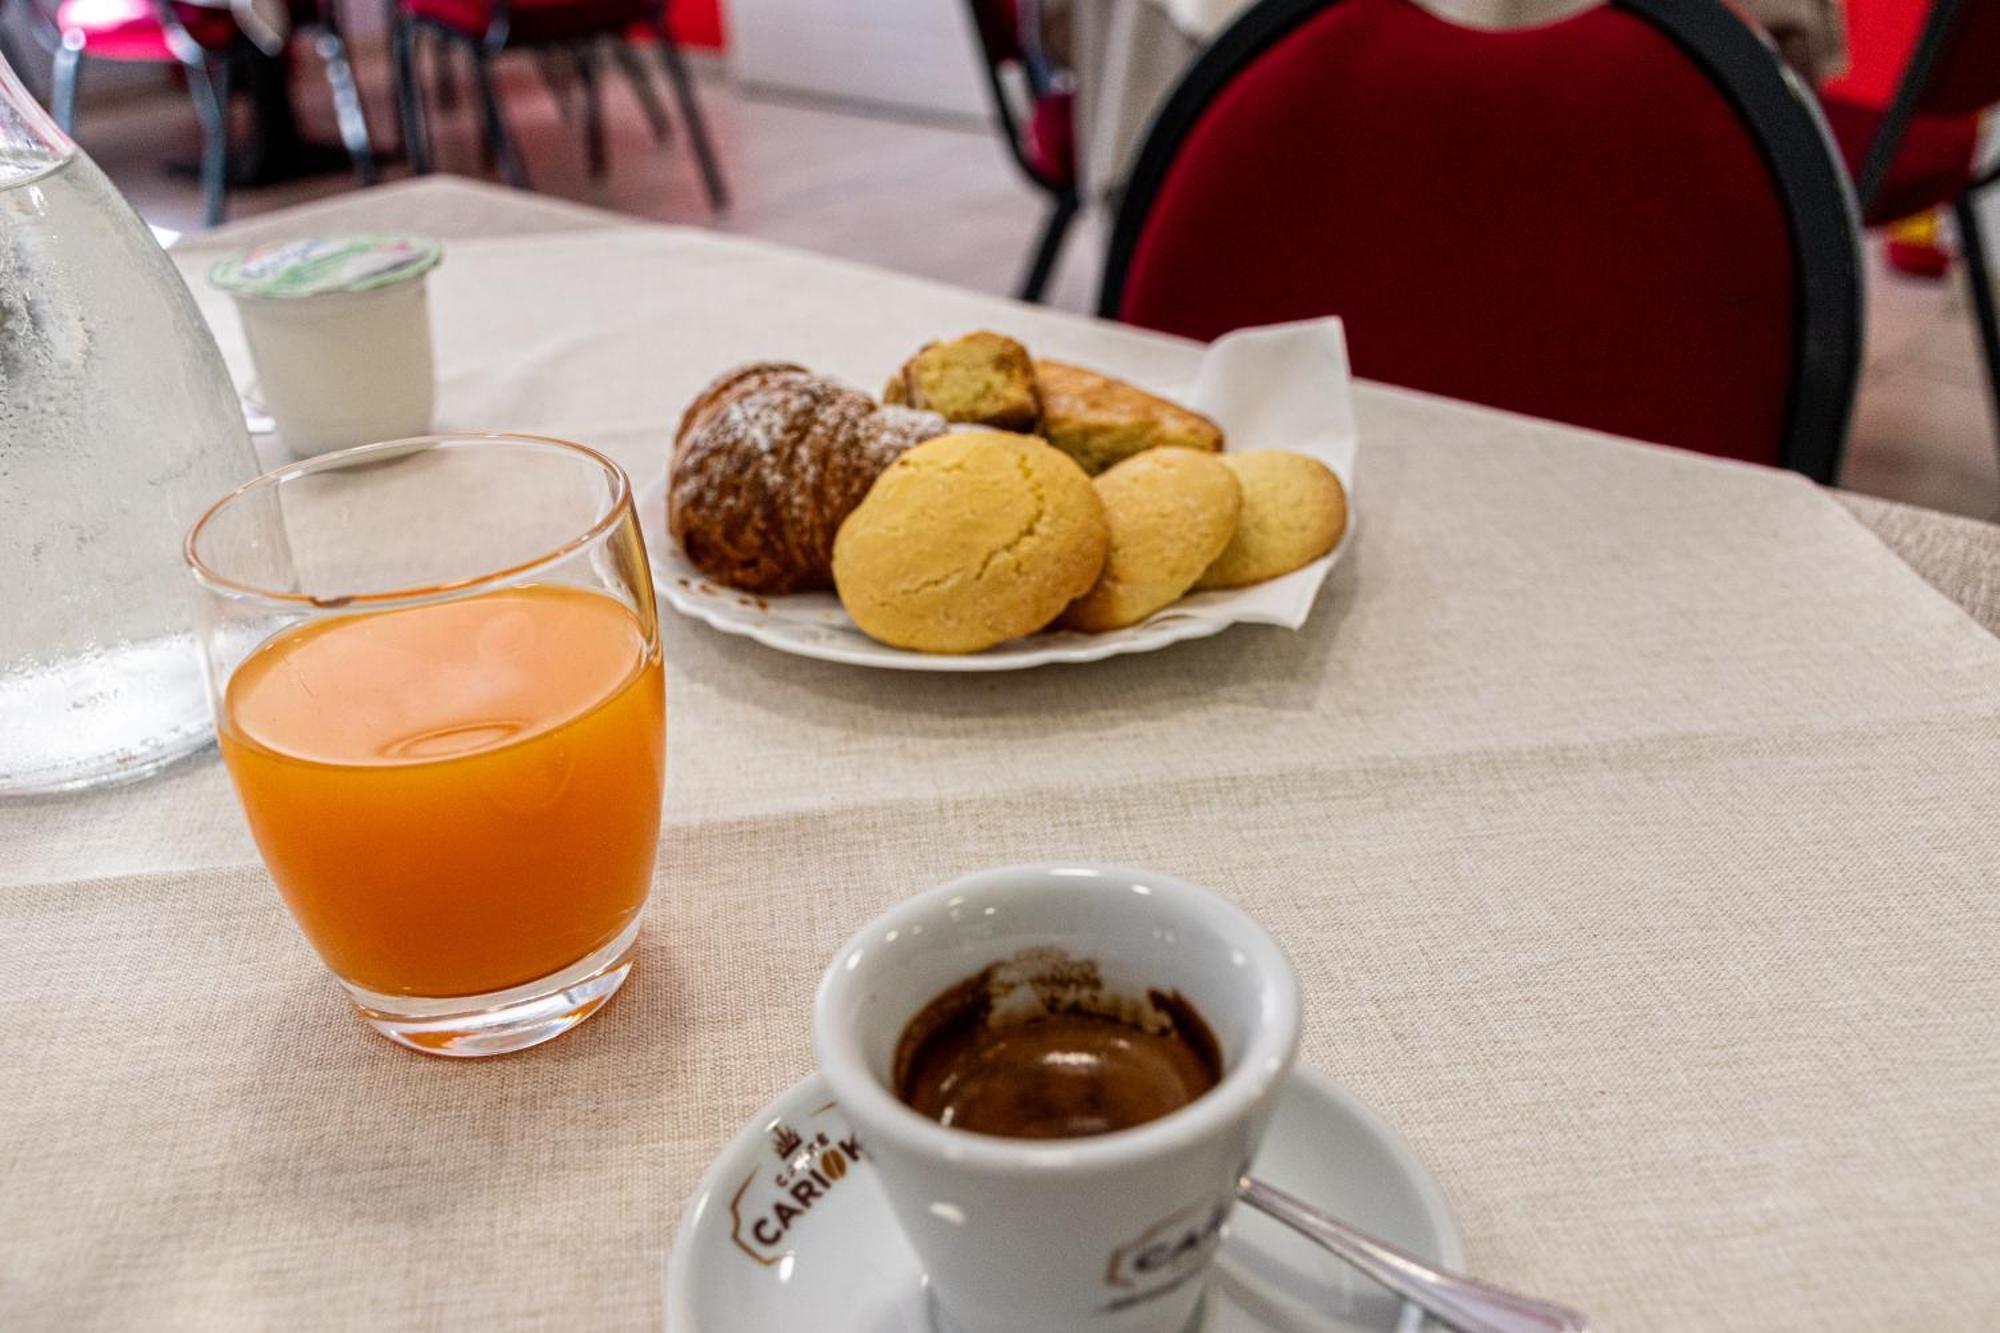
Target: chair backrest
(1953,69)
(1964,71)
(1629,219)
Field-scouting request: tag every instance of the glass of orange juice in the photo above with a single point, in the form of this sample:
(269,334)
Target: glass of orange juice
(435,669)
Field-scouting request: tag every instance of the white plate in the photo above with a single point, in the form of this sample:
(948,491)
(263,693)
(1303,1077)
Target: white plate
(845,1268)
(1284,387)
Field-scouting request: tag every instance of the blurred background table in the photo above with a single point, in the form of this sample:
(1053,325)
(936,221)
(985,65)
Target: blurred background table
(1628,813)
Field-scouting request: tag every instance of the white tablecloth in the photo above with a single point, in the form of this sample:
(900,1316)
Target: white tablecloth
(1629,816)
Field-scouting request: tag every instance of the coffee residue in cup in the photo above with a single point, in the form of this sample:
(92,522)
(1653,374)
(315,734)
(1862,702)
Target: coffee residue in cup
(1035,1047)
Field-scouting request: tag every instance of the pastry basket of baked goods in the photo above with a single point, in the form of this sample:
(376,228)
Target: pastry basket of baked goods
(994,510)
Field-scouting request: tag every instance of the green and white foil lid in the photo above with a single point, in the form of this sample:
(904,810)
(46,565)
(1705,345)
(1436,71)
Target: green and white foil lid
(321,265)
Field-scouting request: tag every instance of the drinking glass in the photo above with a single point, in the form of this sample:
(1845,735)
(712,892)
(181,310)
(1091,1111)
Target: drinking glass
(435,671)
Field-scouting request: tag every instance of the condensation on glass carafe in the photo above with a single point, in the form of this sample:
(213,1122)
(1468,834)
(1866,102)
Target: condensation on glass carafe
(118,426)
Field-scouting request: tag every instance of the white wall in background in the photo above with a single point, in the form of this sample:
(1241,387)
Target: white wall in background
(919,54)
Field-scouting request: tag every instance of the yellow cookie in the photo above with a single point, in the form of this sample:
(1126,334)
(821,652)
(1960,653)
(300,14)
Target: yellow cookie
(1171,511)
(1294,512)
(969,540)
(1098,420)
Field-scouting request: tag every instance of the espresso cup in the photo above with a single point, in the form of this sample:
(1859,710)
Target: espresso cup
(1112,1233)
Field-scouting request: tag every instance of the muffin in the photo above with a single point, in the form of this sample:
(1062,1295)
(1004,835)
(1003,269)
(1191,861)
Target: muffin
(1294,512)
(969,540)
(984,379)
(1171,512)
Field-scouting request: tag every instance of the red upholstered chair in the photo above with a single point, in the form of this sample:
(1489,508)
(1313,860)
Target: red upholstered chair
(575,28)
(1919,149)
(1628,219)
(1040,136)
(202,41)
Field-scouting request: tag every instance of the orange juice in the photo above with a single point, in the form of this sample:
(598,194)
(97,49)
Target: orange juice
(455,798)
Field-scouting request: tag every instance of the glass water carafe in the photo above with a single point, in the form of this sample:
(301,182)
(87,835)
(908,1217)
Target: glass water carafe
(118,426)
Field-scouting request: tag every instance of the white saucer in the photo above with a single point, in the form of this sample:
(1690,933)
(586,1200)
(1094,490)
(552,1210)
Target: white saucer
(843,1267)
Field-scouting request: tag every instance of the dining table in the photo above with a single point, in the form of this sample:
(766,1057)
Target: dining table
(1631,818)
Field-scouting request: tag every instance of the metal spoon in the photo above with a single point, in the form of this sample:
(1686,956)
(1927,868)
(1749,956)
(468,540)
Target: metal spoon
(1463,1303)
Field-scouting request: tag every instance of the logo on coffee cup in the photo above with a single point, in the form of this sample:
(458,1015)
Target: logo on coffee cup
(811,1164)
(1165,1254)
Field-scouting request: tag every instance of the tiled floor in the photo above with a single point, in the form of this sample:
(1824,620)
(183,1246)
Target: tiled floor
(1923,431)
(941,200)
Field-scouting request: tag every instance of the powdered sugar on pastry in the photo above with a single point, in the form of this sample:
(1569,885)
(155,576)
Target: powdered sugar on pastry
(768,462)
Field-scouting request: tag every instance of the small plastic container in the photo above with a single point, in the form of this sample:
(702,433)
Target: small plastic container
(339,330)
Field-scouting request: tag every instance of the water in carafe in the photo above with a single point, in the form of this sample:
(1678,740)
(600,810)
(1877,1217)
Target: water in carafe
(118,425)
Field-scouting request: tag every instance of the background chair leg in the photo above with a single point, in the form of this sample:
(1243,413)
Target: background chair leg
(593,109)
(505,154)
(1972,242)
(62,87)
(347,109)
(560,74)
(444,61)
(410,96)
(209,81)
(704,152)
(650,105)
(444,75)
(1044,262)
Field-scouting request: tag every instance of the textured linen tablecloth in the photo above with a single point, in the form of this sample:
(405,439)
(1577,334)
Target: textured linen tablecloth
(1630,816)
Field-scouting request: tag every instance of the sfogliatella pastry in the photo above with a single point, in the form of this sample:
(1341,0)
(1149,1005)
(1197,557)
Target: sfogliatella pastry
(767,463)
(968,541)
(982,379)
(1098,420)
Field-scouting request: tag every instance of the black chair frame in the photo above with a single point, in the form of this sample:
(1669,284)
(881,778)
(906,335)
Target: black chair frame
(1939,27)
(1781,117)
(1064,202)
(498,141)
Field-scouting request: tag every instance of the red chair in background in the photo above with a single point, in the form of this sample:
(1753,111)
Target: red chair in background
(1919,150)
(574,28)
(1629,219)
(1041,137)
(203,41)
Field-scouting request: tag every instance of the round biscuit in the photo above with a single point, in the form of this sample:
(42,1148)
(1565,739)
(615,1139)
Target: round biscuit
(1294,512)
(1171,512)
(969,540)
